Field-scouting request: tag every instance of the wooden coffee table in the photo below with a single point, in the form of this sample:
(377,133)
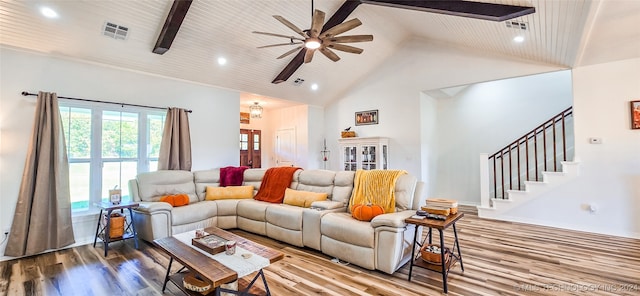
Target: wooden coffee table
(209,269)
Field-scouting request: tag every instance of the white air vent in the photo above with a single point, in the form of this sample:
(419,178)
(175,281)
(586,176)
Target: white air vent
(115,31)
(298,81)
(517,25)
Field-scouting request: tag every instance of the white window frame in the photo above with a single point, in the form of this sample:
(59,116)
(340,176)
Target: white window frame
(96,161)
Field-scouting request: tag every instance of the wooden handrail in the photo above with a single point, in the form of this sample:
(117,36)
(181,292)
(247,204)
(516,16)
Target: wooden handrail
(552,123)
(568,111)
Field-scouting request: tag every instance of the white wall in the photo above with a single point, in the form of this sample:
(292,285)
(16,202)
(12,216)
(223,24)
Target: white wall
(315,130)
(214,122)
(609,175)
(394,89)
(483,118)
(429,138)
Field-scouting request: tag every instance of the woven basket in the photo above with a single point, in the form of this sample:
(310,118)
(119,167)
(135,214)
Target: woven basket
(431,257)
(349,134)
(116,228)
(192,282)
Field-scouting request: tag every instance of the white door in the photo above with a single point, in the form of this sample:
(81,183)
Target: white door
(286,147)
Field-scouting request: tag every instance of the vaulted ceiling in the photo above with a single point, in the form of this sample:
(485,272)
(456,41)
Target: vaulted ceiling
(565,33)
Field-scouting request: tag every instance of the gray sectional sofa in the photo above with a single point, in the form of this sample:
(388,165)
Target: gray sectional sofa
(384,243)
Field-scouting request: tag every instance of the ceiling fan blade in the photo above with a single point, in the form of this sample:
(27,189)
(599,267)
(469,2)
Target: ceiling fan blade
(318,21)
(280,44)
(352,38)
(308,56)
(345,48)
(290,25)
(278,35)
(341,28)
(289,52)
(330,54)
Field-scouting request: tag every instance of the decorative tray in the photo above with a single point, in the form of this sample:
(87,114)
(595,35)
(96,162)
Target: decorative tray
(211,244)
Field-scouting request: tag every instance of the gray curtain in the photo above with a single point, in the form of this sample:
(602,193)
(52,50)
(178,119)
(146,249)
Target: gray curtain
(42,219)
(175,149)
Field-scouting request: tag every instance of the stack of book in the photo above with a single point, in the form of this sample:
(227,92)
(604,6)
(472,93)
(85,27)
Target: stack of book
(441,206)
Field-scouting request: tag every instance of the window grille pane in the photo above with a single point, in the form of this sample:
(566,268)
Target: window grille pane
(79,185)
(119,134)
(117,173)
(153,165)
(76,123)
(154,134)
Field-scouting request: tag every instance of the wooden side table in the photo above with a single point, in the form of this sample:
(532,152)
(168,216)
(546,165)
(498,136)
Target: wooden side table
(103,232)
(440,225)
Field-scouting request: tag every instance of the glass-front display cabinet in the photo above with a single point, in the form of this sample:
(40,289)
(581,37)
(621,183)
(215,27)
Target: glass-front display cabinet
(370,153)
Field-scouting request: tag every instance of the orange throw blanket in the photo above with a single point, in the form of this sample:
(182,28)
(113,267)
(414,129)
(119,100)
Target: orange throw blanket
(274,183)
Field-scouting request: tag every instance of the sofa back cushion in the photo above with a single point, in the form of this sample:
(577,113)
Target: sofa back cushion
(202,179)
(154,185)
(405,191)
(253,177)
(320,181)
(343,186)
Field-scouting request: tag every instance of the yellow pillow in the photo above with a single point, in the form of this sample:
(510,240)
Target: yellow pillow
(229,192)
(302,198)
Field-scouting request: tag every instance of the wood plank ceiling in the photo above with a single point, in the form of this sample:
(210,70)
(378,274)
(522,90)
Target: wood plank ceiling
(218,28)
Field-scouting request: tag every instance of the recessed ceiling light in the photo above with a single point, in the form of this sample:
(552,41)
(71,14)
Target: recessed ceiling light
(518,39)
(222,61)
(48,12)
(314,86)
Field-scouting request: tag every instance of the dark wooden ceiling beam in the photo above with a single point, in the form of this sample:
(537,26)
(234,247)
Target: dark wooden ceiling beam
(171,26)
(337,18)
(478,10)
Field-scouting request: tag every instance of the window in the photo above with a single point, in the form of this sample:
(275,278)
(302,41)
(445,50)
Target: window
(107,146)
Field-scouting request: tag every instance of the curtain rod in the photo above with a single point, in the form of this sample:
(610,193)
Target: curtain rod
(24,93)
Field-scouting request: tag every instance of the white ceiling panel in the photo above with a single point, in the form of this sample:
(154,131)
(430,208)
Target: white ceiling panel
(556,35)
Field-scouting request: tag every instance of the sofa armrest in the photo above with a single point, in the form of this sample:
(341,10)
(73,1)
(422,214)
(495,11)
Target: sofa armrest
(327,205)
(149,207)
(392,219)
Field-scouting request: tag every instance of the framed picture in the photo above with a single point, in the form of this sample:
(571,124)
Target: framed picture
(244,117)
(367,117)
(635,114)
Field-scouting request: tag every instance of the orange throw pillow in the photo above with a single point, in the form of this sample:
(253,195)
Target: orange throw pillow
(176,200)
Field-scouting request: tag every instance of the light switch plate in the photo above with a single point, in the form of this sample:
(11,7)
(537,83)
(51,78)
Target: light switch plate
(595,140)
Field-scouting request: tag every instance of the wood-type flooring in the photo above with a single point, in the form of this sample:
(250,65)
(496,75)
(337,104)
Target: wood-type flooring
(500,258)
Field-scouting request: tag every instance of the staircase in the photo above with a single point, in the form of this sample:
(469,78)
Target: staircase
(530,166)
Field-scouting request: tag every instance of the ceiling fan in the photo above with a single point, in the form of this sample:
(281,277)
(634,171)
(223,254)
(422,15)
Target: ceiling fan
(315,39)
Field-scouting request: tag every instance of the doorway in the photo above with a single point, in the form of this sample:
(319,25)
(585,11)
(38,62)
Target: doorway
(250,148)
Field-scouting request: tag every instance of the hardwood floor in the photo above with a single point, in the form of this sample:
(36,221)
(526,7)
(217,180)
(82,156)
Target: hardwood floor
(500,258)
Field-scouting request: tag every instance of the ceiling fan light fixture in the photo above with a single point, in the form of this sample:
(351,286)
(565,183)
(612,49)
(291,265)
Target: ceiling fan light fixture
(255,110)
(518,39)
(312,43)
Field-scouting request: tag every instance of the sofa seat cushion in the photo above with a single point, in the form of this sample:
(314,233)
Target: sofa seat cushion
(342,227)
(194,212)
(228,207)
(253,209)
(285,216)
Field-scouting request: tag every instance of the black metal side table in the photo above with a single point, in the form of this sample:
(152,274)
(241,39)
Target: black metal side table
(445,264)
(102,232)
